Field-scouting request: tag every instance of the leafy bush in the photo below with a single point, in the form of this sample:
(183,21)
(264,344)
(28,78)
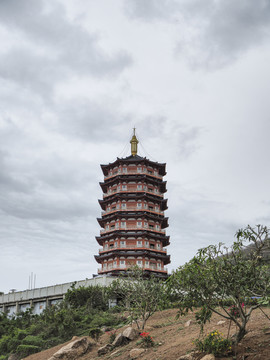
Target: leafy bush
(214,343)
(104,319)
(234,310)
(141,296)
(146,340)
(112,335)
(218,273)
(94,297)
(116,309)
(52,341)
(56,324)
(33,340)
(95,333)
(21,334)
(4,346)
(26,350)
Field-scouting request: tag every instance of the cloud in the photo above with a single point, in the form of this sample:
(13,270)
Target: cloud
(47,189)
(38,184)
(213,33)
(52,48)
(32,71)
(229,30)
(159,131)
(196,221)
(8,181)
(88,120)
(150,10)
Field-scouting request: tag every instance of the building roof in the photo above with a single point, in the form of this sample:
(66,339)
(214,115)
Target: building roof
(137,196)
(134,159)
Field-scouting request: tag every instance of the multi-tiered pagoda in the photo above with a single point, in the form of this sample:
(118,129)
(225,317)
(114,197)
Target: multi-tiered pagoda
(133,222)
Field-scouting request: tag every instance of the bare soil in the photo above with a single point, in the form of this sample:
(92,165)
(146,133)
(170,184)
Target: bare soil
(174,339)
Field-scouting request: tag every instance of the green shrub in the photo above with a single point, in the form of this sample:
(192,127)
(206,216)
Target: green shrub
(116,309)
(26,350)
(104,319)
(52,341)
(33,340)
(235,311)
(217,273)
(94,297)
(112,335)
(146,340)
(95,333)
(4,348)
(21,334)
(214,343)
(36,328)
(8,343)
(28,333)
(13,343)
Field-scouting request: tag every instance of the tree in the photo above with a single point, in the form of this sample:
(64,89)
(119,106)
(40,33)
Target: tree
(141,296)
(217,275)
(94,297)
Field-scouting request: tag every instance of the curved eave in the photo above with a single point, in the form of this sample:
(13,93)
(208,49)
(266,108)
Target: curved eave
(129,195)
(134,214)
(101,222)
(163,204)
(134,196)
(164,223)
(138,177)
(102,204)
(165,239)
(139,253)
(134,159)
(100,240)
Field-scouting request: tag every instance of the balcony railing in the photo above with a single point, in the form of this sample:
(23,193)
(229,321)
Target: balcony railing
(159,212)
(117,267)
(105,231)
(133,173)
(132,247)
(116,191)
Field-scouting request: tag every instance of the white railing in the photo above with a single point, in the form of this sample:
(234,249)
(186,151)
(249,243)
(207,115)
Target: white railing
(133,173)
(131,190)
(135,247)
(133,209)
(164,270)
(161,231)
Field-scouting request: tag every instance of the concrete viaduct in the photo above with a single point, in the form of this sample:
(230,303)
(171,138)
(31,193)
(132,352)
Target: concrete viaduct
(40,298)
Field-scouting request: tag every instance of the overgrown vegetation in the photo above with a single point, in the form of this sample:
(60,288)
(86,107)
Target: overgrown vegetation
(146,340)
(140,296)
(218,274)
(214,343)
(230,282)
(83,312)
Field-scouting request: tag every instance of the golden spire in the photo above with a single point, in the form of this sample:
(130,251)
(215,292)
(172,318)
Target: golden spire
(134,142)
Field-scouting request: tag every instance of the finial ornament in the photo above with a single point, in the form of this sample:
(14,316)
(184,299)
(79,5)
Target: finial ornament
(134,143)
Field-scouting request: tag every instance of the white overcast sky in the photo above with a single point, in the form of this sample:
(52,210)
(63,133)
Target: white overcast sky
(193,76)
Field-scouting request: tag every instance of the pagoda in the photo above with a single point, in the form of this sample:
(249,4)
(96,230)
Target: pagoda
(133,222)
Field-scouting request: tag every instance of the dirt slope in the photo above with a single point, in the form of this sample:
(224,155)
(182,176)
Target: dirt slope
(175,339)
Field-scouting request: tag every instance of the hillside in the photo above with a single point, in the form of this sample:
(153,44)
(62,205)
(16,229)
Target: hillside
(175,339)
